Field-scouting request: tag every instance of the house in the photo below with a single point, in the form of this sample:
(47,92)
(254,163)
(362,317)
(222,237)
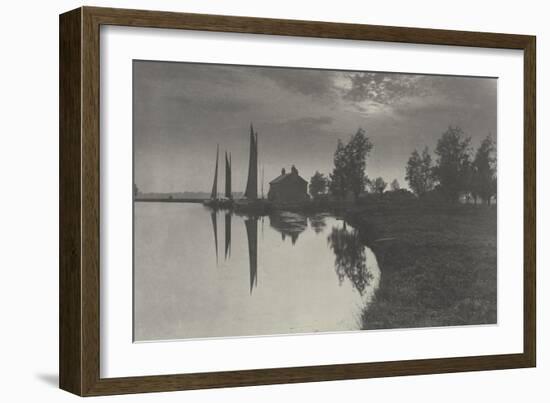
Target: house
(288,188)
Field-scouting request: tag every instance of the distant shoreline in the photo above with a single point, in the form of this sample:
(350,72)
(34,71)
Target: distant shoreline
(169,200)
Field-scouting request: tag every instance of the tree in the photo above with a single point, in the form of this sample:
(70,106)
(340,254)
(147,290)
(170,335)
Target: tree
(484,171)
(379,185)
(337,184)
(419,172)
(453,165)
(350,162)
(318,185)
(395,185)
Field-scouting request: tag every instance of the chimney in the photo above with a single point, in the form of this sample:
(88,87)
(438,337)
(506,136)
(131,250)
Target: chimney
(283,171)
(294,170)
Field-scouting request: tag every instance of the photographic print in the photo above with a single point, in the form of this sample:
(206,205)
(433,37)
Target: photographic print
(278,200)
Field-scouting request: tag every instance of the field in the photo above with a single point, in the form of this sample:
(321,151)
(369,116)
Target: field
(438,263)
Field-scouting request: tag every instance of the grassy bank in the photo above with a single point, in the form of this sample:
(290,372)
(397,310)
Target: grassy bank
(438,264)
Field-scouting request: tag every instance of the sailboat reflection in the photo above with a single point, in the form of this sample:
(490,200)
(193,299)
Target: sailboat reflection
(251,224)
(252,235)
(215,228)
(227,235)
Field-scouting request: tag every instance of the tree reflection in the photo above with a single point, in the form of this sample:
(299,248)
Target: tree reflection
(350,258)
(317,222)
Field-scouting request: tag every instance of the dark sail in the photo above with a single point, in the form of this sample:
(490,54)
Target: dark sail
(252,235)
(228,176)
(251,191)
(214,194)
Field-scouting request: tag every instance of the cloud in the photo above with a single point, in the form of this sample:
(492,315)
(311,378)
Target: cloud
(314,83)
(310,122)
(383,88)
(210,105)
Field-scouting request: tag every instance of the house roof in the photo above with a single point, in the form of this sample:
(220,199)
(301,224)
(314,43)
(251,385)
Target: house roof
(284,177)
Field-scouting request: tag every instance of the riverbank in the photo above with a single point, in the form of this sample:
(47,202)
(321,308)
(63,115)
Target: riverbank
(438,264)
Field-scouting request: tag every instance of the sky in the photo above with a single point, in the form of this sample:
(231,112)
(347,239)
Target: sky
(182,111)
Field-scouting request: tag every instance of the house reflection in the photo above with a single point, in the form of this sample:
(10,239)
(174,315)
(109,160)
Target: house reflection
(288,224)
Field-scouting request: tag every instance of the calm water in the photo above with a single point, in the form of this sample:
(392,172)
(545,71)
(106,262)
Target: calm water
(202,274)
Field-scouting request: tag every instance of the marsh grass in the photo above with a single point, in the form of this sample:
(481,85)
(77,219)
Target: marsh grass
(438,262)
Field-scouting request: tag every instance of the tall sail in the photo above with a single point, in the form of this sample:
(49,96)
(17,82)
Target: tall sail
(251,191)
(228,176)
(262,181)
(214,194)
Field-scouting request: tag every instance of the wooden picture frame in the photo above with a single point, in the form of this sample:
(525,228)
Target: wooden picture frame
(79,279)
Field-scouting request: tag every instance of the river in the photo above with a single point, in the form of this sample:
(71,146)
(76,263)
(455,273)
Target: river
(200,274)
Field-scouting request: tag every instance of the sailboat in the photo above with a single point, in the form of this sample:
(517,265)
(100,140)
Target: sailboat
(251,192)
(228,193)
(215,201)
(214,194)
(251,203)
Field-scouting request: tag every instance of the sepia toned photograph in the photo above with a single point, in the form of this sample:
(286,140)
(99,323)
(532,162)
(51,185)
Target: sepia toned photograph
(279,200)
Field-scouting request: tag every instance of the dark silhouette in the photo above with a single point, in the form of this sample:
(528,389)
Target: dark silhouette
(317,222)
(453,167)
(350,258)
(350,163)
(484,181)
(394,185)
(215,228)
(378,185)
(288,224)
(419,172)
(214,193)
(252,236)
(251,191)
(318,185)
(228,193)
(288,188)
(228,216)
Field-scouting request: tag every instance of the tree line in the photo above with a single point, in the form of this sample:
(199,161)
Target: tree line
(456,170)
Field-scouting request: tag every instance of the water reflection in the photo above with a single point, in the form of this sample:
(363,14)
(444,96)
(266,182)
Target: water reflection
(267,286)
(252,236)
(350,257)
(213,216)
(228,216)
(318,222)
(288,224)
(350,253)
